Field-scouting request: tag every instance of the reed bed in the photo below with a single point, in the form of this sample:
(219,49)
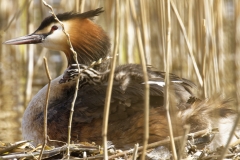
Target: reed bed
(204,47)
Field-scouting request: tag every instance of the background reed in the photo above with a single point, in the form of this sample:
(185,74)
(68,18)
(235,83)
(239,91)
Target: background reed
(212,29)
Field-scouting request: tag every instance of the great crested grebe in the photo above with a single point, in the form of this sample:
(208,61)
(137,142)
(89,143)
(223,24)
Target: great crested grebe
(126,113)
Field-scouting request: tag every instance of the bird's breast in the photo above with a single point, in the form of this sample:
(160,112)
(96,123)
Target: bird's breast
(32,122)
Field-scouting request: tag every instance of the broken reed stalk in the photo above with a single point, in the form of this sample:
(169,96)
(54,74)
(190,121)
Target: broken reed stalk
(145,77)
(110,81)
(50,153)
(183,141)
(12,147)
(166,89)
(46,107)
(135,152)
(187,42)
(77,82)
(58,150)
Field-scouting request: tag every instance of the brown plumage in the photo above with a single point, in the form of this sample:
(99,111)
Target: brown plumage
(126,113)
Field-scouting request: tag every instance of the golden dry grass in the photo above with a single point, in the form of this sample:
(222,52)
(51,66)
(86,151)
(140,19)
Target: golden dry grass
(211,27)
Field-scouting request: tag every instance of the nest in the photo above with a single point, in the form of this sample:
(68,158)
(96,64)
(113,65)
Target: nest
(190,146)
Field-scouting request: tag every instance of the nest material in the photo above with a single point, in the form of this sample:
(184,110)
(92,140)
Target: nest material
(196,147)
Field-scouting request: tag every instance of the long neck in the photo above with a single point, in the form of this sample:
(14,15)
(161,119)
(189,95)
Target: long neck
(89,41)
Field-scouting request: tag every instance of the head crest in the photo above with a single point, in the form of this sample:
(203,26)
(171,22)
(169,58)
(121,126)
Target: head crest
(70,15)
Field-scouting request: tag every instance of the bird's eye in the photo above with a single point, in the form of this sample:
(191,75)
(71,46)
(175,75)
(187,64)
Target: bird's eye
(54,28)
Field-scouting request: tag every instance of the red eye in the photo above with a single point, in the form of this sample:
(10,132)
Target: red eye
(54,28)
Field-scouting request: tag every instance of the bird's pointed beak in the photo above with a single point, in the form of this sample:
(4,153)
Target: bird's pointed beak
(29,39)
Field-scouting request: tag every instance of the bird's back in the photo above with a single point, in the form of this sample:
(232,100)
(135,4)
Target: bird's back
(126,112)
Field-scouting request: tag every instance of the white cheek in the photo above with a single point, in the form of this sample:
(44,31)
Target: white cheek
(55,41)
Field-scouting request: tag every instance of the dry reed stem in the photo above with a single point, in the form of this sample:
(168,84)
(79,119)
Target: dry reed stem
(235,142)
(183,141)
(135,151)
(219,156)
(145,33)
(46,107)
(77,82)
(190,35)
(82,6)
(126,39)
(30,62)
(145,77)
(77,5)
(193,22)
(212,47)
(220,41)
(162,28)
(110,81)
(16,15)
(166,141)
(53,140)
(11,147)
(237,54)
(237,41)
(187,42)
(92,149)
(204,70)
(166,89)
(50,153)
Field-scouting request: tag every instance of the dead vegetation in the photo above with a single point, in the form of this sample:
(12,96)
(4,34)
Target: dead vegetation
(201,44)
